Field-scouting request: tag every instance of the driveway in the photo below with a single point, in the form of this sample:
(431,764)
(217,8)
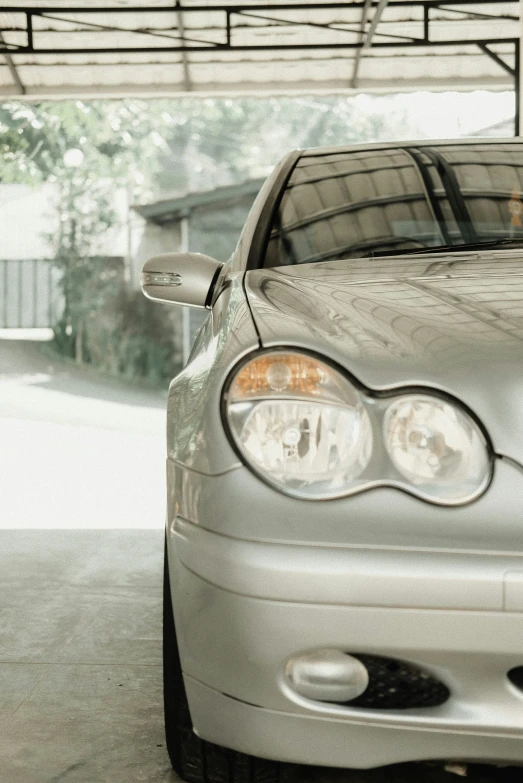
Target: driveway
(80,666)
(78,450)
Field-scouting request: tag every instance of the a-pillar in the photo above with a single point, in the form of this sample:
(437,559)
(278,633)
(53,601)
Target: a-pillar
(186,313)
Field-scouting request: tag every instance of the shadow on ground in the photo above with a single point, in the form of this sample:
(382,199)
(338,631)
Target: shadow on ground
(406,773)
(37,364)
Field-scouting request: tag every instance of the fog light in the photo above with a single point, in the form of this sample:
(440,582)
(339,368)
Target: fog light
(327,675)
(515,676)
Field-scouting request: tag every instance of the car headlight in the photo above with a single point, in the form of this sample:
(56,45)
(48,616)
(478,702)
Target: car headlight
(305,428)
(436,446)
(300,424)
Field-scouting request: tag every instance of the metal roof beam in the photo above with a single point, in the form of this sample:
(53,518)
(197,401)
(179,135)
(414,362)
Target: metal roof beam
(224,40)
(384,45)
(497,59)
(113,29)
(253,28)
(348,28)
(185,57)
(367,42)
(476,14)
(375,21)
(12,69)
(357,58)
(232,7)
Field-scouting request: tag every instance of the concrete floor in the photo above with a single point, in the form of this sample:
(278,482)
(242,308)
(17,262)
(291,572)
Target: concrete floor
(80,664)
(80,657)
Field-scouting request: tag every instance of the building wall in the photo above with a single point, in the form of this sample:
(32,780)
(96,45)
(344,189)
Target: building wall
(215,232)
(150,239)
(30,292)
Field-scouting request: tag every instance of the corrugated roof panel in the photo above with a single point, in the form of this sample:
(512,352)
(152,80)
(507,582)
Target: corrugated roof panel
(120,48)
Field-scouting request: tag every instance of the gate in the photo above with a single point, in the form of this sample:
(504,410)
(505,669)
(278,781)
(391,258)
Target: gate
(30,295)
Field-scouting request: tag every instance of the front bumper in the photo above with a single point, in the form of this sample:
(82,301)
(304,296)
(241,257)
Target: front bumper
(244,608)
(330,742)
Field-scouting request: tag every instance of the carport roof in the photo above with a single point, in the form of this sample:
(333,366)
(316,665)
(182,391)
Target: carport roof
(104,48)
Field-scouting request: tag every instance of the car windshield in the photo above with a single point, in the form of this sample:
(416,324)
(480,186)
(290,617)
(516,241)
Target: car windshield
(406,199)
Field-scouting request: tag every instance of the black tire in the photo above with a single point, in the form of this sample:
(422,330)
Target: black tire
(196,760)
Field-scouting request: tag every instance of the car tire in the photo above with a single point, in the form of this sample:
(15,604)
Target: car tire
(196,760)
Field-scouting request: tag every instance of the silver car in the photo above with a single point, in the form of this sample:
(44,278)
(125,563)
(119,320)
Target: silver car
(344,545)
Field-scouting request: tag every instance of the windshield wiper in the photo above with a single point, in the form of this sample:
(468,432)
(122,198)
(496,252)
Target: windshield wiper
(492,244)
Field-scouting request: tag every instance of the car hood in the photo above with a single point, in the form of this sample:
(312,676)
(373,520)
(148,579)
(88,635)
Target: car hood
(454,323)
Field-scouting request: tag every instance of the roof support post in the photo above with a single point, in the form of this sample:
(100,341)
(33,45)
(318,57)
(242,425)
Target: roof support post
(514,72)
(357,58)
(367,42)
(185,57)
(518,75)
(517,90)
(29,22)
(12,69)
(426,23)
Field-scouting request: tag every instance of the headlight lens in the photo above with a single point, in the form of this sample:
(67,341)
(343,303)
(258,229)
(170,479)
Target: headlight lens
(305,428)
(300,424)
(435,445)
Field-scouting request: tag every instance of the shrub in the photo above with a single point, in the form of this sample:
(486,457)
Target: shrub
(132,337)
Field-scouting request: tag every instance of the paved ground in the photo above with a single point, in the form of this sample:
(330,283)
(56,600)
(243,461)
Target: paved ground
(80,674)
(81,469)
(80,668)
(78,450)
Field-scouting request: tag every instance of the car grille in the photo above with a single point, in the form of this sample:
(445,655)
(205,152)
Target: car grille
(398,685)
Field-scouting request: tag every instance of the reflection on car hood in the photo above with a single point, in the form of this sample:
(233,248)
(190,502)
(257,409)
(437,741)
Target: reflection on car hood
(451,322)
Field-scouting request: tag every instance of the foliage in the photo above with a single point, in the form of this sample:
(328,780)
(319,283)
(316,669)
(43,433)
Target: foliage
(133,337)
(150,149)
(88,282)
(108,133)
(221,141)
(40,138)
(173,146)
(87,275)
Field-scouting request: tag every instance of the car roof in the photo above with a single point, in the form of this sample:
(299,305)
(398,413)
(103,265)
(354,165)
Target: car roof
(390,145)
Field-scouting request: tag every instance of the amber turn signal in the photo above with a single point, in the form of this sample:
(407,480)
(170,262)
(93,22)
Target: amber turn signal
(289,373)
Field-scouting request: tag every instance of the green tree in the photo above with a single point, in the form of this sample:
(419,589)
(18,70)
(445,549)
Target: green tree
(153,149)
(87,275)
(36,141)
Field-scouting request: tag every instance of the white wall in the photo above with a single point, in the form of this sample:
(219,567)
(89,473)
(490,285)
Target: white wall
(149,239)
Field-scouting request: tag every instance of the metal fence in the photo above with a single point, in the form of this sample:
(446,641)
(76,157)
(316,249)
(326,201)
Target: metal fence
(30,295)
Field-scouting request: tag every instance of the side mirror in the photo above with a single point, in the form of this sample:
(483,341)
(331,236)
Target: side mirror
(180,278)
